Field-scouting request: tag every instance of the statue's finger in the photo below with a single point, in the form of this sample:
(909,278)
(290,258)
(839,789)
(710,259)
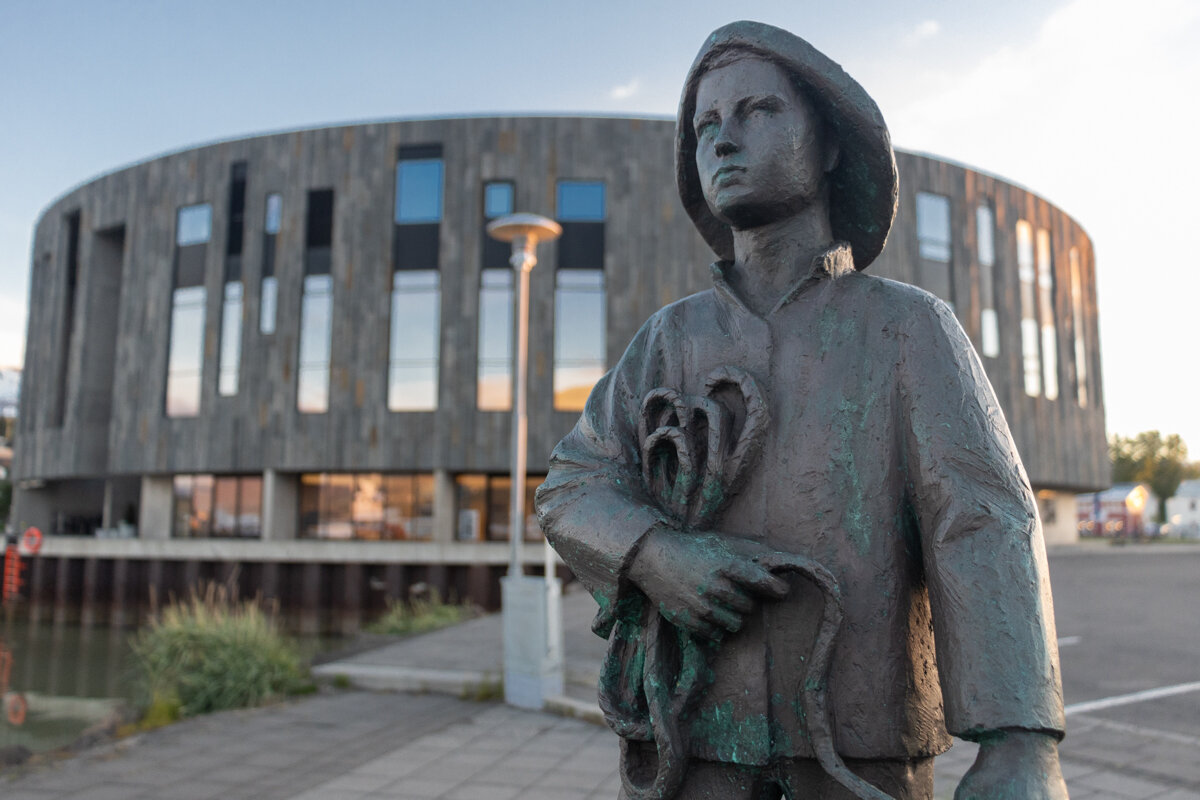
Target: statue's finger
(722,617)
(728,593)
(758,580)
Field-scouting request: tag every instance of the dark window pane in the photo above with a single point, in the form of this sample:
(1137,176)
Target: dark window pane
(319,219)
(581,246)
(415,246)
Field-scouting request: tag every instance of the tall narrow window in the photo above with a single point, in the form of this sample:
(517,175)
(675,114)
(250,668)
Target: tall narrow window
(493,387)
(579,298)
(933,244)
(985,240)
(231,309)
(416,286)
(413,364)
(1081,372)
(1029,326)
(1045,272)
(316,306)
(67,332)
(185,351)
(269,293)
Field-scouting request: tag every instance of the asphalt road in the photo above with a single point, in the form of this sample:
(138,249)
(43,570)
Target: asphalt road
(1129,621)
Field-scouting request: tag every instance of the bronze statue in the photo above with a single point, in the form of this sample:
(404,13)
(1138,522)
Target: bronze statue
(795,484)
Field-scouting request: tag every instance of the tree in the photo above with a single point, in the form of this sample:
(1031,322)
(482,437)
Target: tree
(1152,459)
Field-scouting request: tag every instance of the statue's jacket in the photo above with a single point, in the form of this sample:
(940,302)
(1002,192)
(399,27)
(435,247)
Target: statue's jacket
(888,461)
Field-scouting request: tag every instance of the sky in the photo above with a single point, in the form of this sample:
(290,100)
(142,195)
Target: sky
(1089,103)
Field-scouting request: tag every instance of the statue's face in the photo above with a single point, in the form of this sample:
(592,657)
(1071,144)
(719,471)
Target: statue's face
(759,152)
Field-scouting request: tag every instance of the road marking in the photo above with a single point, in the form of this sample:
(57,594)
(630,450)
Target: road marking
(1067,641)
(1136,697)
(1085,723)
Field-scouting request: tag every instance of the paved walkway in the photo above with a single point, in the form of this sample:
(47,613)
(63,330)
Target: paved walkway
(361,745)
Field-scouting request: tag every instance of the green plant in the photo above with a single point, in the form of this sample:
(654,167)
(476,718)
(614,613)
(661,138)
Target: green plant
(212,652)
(419,615)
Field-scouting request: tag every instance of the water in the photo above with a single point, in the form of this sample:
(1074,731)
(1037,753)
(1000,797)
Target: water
(58,680)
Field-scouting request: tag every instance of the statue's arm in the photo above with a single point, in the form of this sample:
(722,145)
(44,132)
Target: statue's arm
(984,560)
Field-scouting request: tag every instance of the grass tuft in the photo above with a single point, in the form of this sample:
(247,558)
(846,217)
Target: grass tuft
(420,615)
(212,652)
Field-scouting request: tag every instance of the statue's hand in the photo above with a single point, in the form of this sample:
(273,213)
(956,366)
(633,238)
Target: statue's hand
(1014,763)
(703,582)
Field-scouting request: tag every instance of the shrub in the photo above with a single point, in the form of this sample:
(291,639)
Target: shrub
(419,615)
(212,652)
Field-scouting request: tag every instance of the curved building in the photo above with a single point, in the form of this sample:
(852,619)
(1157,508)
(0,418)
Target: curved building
(293,352)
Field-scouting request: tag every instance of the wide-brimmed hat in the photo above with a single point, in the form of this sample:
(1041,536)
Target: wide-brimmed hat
(863,185)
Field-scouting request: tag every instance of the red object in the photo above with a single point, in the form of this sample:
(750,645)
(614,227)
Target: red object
(16,706)
(32,540)
(12,572)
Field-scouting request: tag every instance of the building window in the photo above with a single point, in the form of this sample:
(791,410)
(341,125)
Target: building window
(418,212)
(413,359)
(493,380)
(185,349)
(231,339)
(231,308)
(416,285)
(369,506)
(1081,373)
(1029,326)
(316,333)
(316,306)
(1045,280)
(578,336)
(484,505)
(269,293)
(579,297)
(217,506)
(985,241)
(494,377)
(933,244)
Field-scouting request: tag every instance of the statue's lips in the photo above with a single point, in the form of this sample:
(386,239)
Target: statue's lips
(725,173)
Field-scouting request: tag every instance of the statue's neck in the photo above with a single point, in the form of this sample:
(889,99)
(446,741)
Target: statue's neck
(769,259)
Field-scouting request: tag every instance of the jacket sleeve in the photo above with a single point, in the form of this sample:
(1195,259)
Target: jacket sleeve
(593,506)
(982,547)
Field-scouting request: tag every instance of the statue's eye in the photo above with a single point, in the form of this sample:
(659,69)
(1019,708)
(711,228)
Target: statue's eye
(706,128)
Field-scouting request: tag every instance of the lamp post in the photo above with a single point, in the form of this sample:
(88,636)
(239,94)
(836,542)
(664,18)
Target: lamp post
(533,663)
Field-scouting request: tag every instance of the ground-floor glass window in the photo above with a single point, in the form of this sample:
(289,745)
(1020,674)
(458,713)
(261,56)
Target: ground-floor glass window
(366,505)
(484,503)
(226,506)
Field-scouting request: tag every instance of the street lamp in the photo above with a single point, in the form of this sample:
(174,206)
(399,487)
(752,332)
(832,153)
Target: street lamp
(533,658)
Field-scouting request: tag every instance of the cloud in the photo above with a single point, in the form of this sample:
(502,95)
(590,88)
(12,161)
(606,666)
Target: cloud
(924,30)
(1092,111)
(625,90)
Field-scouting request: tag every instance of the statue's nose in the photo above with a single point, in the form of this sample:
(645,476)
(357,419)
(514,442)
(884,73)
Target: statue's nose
(726,146)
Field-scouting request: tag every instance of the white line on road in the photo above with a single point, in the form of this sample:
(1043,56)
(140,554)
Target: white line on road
(1067,641)
(1136,697)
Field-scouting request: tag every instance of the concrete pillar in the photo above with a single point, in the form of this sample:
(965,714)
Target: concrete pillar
(281,505)
(87,603)
(310,601)
(33,507)
(120,581)
(156,507)
(352,590)
(444,510)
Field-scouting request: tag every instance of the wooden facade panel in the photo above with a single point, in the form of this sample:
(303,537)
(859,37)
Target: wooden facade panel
(652,256)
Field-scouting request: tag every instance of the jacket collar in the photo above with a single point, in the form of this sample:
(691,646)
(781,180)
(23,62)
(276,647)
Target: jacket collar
(835,262)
